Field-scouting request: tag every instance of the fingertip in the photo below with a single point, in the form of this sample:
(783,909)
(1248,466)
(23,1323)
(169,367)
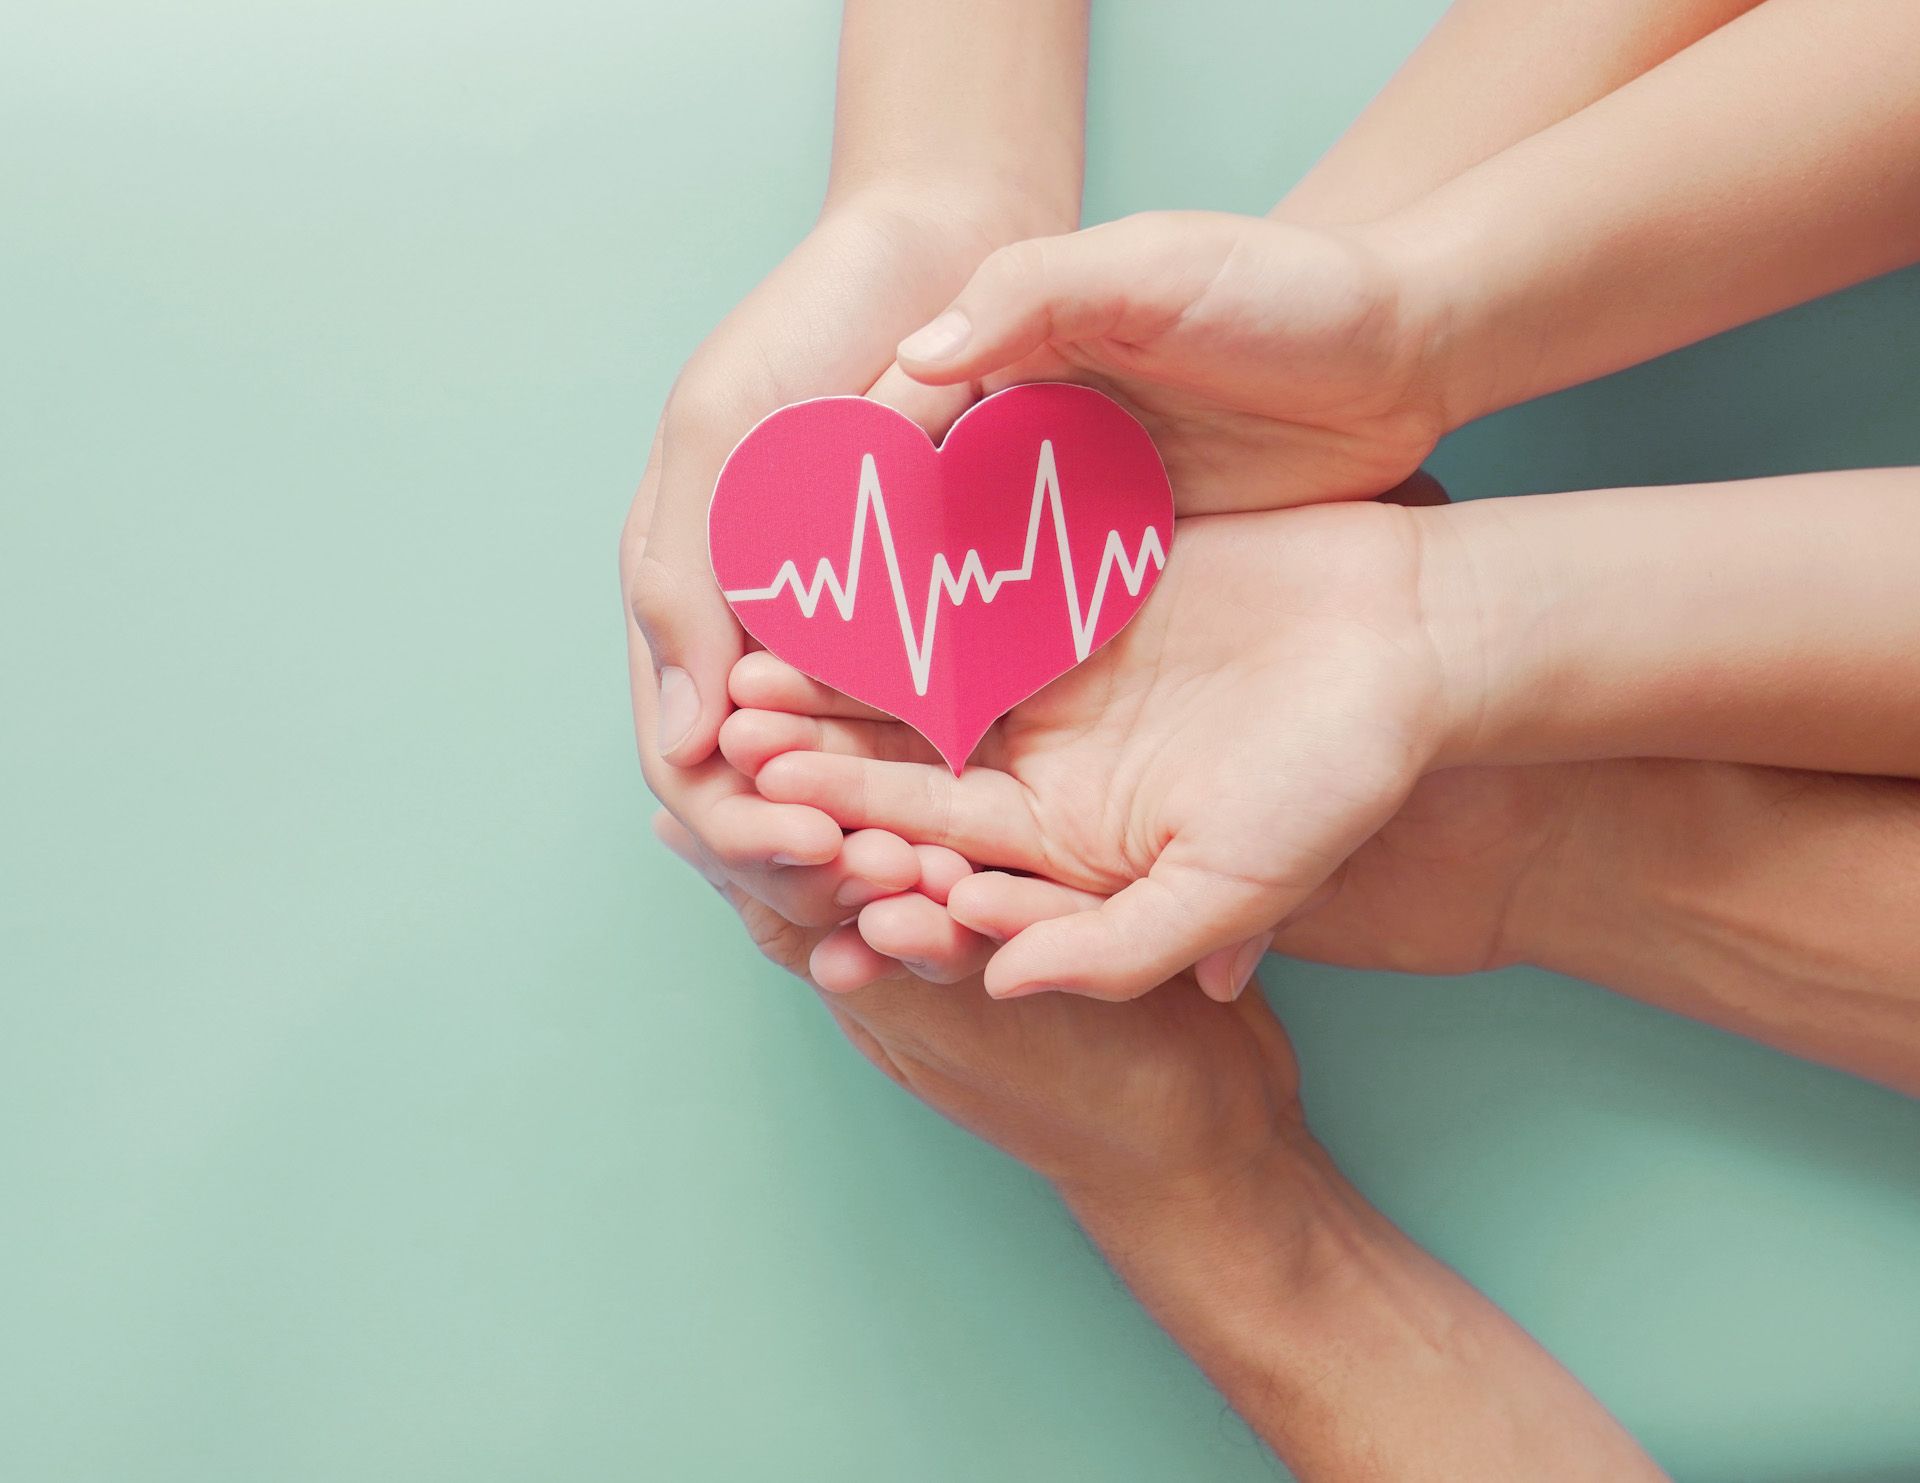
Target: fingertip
(940,870)
(968,903)
(882,859)
(749,738)
(932,354)
(786,778)
(756,676)
(842,962)
(899,926)
(808,837)
(1041,959)
(934,408)
(696,732)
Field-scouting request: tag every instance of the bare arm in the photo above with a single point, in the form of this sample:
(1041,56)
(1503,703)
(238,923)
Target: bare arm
(957,129)
(1771,621)
(1352,1352)
(1773,161)
(989,98)
(1778,905)
(1491,73)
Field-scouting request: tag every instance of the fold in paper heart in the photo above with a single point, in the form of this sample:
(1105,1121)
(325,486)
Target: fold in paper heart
(942,585)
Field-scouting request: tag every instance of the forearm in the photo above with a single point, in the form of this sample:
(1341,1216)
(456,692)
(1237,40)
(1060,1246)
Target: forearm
(1771,621)
(1778,905)
(1491,73)
(1773,161)
(1353,1353)
(984,99)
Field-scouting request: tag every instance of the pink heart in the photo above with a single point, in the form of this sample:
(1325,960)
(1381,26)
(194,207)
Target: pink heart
(942,585)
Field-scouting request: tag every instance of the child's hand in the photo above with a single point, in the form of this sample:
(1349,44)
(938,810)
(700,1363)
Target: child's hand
(1237,341)
(1210,769)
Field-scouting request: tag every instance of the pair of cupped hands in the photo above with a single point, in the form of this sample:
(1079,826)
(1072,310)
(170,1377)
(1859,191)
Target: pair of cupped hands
(1268,755)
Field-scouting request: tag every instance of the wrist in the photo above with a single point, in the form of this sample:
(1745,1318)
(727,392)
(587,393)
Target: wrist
(997,208)
(1476,611)
(1231,1262)
(1432,258)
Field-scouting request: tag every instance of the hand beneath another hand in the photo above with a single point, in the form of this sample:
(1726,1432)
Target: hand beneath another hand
(1109,1104)
(1238,341)
(1172,1129)
(1209,770)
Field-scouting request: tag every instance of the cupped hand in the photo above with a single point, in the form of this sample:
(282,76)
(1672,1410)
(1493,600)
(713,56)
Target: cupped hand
(1236,340)
(824,322)
(1207,772)
(1109,1102)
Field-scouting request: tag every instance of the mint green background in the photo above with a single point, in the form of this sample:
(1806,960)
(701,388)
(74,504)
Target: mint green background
(378,1103)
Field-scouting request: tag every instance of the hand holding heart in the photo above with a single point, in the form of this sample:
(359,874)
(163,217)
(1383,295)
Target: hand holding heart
(1242,344)
(1207,771)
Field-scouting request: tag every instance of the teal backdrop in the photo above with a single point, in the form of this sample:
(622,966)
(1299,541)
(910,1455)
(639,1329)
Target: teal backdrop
(377,1102)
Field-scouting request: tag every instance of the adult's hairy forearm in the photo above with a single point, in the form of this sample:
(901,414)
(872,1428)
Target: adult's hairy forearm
(1780,905)
(1354,1354)
(985,97)
(1491,73)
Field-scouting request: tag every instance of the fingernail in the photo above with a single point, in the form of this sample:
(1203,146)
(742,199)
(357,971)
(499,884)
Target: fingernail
(917,968)
(939,340)
(1021,991)
(679,706)
(857,893)
(1248,960)
(783,858)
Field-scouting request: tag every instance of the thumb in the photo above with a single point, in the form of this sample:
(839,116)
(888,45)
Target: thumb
(1127,279)
(934,408)
(1137,939)
(689,632)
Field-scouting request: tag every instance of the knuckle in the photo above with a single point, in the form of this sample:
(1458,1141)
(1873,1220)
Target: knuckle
(937,804)
(698,405)
(779,940)
(1013,267)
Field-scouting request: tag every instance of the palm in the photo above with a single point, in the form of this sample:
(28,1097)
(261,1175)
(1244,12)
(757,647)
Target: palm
(1164,737)
(1263,716)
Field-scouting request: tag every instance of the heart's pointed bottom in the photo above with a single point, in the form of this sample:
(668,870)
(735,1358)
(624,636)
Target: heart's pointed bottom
(953,745)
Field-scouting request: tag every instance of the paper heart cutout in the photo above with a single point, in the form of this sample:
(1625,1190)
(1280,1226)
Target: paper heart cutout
(930,582)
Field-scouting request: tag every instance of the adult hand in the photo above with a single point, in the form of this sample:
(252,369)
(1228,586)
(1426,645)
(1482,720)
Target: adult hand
(1172,1129)
(1238,341)
(824,322)
(1111,1105)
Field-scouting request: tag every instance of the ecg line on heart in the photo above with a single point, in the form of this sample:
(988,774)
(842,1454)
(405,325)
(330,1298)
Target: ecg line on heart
(871,508)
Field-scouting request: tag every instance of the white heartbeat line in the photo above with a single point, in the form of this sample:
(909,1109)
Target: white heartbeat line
(972,573)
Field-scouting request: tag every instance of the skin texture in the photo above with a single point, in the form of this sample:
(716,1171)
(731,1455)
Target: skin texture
(1354,1354)
(1238,342)
(1172,1129)
(1149,772)
(1299,672)
(935,165)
